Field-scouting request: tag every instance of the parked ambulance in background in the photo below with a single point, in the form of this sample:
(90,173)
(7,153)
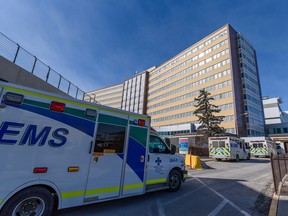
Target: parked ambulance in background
(58,152)
(262,146)
(228,148)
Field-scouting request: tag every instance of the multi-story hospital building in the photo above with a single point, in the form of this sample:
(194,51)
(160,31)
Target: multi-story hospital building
(224,63)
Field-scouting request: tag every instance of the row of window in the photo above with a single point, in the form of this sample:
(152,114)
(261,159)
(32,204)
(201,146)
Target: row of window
(114,94)
(115,105)
(252,99)
(246,58)
(193,76)
(250,78)
(193,67)
(253,110)
(171,133)
(133,94)
(109,99)
(252,132)
(277,130)
(245,66)
(189,104)
(251,89)
(190,52)
(184,115)
(245,44)
(250,53)
(183,72)
(109,90)
(186,62)
(186,96)
(189,86)
(252,121)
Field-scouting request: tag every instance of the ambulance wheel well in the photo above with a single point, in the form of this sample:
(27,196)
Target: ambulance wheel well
(49,188)
(179,170)
(42,197)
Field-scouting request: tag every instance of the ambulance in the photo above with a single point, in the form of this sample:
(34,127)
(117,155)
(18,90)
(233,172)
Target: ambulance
(57,152)
(261,146)
(228,148)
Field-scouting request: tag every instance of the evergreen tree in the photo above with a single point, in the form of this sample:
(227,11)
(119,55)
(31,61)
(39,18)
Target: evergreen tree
(205,111)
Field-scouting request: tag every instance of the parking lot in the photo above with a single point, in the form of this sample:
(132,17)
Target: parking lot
(226,188)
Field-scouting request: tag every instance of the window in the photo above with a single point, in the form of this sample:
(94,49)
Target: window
(278,130)
(156,145)
(110,138)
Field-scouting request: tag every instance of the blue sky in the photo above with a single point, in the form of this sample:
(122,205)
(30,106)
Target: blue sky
(99,43)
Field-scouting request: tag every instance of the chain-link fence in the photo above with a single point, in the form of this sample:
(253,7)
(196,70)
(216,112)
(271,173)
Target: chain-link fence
(279,165)
(19,56)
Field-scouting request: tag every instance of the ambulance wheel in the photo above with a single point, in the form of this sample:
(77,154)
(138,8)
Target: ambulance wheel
(237,158)
(36,201)
(174,181)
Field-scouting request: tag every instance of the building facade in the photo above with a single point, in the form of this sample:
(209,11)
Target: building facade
(276,121)
(110,96)
(134,98)
(225,64)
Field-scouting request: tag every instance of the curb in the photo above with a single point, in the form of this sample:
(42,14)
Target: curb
(274,205)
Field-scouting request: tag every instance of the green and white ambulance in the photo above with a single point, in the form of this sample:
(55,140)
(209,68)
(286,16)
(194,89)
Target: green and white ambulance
(261,146)
(57,152)
(228,148)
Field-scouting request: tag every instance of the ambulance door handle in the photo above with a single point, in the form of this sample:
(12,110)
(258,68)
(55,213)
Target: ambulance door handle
(91,144)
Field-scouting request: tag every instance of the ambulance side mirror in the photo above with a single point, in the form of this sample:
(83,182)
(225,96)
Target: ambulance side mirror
(173,149)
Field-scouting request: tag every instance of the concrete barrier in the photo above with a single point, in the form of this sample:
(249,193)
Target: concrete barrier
(193,161)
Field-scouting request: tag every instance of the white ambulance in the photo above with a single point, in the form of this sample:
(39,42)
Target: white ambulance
(57,152)
(228,148)
(262,146)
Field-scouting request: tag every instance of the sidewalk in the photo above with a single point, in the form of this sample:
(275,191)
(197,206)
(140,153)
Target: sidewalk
(279,204)
(283,199)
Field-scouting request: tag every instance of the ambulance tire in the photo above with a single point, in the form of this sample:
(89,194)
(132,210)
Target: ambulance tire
(37,200)
(237,158)
(174,180)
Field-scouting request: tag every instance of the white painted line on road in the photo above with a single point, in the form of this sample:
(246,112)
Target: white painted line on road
(160,208)
(218,208)
(184,195)
(224,198)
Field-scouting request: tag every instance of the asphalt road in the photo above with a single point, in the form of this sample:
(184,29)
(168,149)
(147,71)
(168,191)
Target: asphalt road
(226,188)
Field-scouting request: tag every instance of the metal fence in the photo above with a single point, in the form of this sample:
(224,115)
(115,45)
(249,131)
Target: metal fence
(279,165)
(19,56)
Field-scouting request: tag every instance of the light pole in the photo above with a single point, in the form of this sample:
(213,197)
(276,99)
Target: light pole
(236,121)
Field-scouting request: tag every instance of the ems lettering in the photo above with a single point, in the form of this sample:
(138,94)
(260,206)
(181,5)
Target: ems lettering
(32,135)
(57,135)
(5,130)
(32,138)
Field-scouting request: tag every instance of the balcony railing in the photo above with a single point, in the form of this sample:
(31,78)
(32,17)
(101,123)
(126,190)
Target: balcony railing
(21,57)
